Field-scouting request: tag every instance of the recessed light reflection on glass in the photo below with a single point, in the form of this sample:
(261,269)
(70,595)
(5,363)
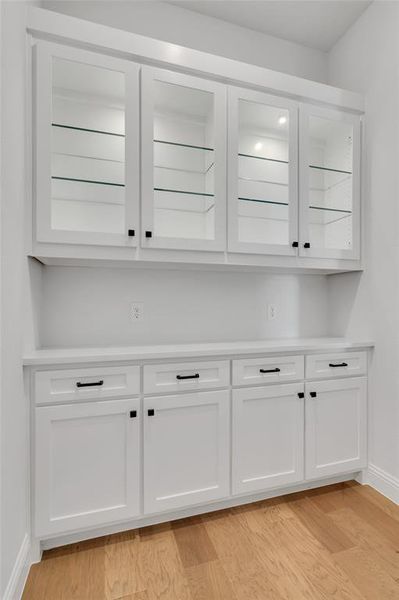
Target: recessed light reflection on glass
(282,120)
(258,146)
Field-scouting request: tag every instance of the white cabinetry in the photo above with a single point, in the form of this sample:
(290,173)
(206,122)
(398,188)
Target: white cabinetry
(186,450)
(293,185)
(183,161)
(268,431)
(87,147)
(262,173)
(87,465)
(336,426)
(329,176)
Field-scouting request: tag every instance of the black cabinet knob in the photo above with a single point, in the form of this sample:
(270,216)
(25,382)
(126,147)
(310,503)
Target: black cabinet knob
(301,395)
(306,245)
(295,244)
(133,414)
(313,394)
(131,232)
(148,234)
(151,412)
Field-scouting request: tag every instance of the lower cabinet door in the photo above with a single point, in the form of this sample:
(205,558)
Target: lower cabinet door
(186,450)
(86,465)
(268,434)
(336,426)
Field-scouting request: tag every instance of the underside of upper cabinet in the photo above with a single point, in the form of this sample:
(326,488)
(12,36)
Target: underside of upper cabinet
(139,164)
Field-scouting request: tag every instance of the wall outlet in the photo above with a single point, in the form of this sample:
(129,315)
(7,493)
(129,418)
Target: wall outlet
(271,312)
(137,311)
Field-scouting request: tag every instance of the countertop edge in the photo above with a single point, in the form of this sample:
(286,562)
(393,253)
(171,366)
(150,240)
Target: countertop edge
(150,353)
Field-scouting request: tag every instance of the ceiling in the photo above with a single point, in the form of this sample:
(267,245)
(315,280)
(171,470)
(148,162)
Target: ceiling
(315,23)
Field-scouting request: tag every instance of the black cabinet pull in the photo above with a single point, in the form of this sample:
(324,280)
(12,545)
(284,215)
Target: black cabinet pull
(276,370)
(313,394)
(295,244)
(148,234)
(338,365)
(195,376)
(79,384)
(133,414)
(301,395)
(151,412)
(306,245)
(131,232)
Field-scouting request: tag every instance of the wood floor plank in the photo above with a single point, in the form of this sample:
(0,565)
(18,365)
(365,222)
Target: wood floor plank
(122,565)
(369,539)
(208,581)
(374,515)
(367,575)
(162,568)
(341,543)
(379,500)
(320,525)
(193,542)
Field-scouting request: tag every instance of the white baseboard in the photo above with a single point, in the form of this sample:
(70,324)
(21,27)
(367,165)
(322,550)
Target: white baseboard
(383,482)
(19,574)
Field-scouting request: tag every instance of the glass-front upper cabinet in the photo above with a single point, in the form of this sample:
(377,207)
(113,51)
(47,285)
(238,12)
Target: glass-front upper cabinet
(87,147)
(262,173)
(329,184)
(183,161)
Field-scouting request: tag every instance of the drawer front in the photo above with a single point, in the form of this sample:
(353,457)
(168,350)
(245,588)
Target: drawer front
(52,387)
(249,371)
(340,364)
(186,376)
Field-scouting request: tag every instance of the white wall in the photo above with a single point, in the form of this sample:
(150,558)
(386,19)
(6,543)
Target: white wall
(83,306)
(366,60)
(181,26)
(14,524)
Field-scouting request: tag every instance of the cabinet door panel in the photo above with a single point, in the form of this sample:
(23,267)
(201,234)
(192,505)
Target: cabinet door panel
(183,161)
(87,465)
(336,422)
(268,431)
(262,173)
(330,183)
(186,450)
(87,147)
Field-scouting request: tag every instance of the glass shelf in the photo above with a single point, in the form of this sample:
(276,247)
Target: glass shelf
(263,201)
(88,181)
(284,162)
(330,170)
(184,192)
(87,130)
(183,145)
(338,212)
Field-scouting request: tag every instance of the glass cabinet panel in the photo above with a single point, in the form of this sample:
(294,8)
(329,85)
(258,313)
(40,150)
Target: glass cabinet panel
(330,184)
(87,107)
(183,196)
(262,173)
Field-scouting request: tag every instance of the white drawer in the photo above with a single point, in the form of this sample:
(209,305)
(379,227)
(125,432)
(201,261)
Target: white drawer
(186,376)
(81,384)
(340,364)
(249,371)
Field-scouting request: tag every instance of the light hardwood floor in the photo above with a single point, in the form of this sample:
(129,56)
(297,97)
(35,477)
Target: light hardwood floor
(339,542)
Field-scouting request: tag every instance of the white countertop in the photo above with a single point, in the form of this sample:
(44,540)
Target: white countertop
(61,356)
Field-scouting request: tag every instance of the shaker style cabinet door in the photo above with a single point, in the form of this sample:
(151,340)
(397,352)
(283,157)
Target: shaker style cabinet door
(336,426)
(262,173)
(186,450)
(329,150)
(268,432)
(183,161)
(87,465)
(87,147)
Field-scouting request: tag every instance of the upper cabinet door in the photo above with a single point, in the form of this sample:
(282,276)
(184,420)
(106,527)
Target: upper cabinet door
(87,147)
(183,161)
(330,184)
(262,173)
